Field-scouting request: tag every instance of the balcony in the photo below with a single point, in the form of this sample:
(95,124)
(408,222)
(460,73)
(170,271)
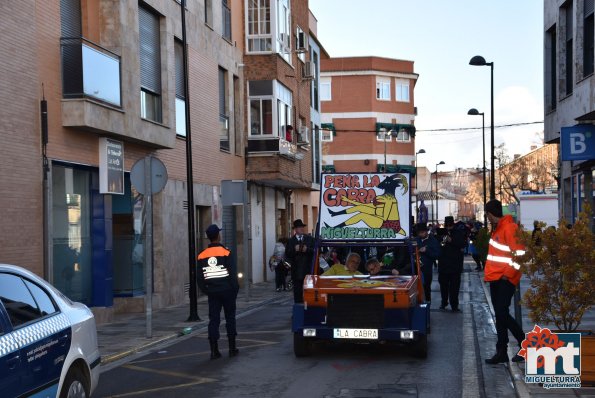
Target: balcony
(278,162)
(90,71)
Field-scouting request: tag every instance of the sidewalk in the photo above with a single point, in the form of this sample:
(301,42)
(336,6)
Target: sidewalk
(126,335)
(517,370)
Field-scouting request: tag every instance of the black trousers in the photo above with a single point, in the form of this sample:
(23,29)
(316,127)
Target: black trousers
(501,293)
(280,277)
(226,300)
(450,284)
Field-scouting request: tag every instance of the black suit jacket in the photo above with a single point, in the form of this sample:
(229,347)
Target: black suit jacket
(301,262)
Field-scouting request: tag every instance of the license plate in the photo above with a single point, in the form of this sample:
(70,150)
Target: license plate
(367,334)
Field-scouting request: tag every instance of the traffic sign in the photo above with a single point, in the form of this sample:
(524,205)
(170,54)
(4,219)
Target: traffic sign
(158,175)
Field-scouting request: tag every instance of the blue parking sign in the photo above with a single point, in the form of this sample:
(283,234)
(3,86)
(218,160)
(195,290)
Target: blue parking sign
(578,142)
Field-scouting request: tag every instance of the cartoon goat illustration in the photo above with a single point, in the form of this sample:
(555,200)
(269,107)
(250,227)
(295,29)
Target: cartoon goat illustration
(383,212)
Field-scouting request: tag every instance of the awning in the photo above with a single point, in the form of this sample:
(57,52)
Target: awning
(328,168)
(396,168)
(396,127)
(329,126)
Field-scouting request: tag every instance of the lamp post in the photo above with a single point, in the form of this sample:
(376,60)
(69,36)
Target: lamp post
(437,164)
(416,178)
(475,112)
(478,60)
(384,135)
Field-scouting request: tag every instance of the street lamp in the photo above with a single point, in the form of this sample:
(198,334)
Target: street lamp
(475,112)
(384,135)
(416,178)
(437,164)
(478,60)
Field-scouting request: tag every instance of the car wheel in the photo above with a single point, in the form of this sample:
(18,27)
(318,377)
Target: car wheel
(301,347)
(75,385)
(420,348)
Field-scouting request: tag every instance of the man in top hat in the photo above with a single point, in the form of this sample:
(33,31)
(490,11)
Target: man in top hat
(299,252)
(217,277)
(429,251)
(450,264)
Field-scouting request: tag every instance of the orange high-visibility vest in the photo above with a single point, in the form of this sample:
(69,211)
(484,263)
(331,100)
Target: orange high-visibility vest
(503,245)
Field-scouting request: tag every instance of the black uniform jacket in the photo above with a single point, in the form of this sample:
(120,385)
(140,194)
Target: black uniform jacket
(216,270)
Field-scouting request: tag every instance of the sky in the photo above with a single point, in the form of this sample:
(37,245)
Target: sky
(441,36)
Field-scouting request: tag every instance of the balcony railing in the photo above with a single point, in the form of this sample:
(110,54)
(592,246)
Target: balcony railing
(89,70)
(272,145)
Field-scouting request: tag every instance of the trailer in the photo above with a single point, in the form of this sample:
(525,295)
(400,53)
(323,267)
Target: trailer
(361,210)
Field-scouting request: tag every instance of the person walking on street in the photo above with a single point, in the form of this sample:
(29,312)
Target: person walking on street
(217,277)
(429,251)
(299,252)
(450,264)
(277,264)
(503,275)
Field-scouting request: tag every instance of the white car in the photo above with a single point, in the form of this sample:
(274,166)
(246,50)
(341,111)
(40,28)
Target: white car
(48,344)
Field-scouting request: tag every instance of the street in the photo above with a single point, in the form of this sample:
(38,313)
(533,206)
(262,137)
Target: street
(267,367)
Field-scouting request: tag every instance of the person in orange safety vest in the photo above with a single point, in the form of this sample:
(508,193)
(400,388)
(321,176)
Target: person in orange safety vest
(503,275)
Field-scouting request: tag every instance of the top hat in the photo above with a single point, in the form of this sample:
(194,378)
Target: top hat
(449,220)
(298,223)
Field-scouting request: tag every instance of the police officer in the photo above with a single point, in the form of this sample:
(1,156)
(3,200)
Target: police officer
(218,278)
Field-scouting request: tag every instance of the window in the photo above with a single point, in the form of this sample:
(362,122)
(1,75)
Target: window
(567,12)
(226,13)
(588,36)
(550,69)
(261,107)
(315,81)
(44,302)
(180,95)
(150,65)
(209,12)
(325,89)
(383,135)
(403,136)
(18,301)
(284,29)
(403,91)
(284,112)
(259,35)
(271,109)
(316,135)
(383,89)
(237,117)
(301,44)
(223,111)
(326,135)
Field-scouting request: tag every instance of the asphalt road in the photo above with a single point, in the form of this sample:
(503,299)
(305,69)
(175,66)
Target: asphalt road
(266,366)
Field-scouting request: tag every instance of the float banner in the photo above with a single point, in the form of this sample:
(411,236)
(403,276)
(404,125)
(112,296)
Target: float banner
(362,206)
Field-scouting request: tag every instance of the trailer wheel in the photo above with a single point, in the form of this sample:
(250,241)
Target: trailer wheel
(420,348)
(301,347)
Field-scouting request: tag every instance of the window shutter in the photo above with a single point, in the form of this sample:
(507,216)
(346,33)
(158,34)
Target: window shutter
(179,57)
(589,5)
(70,18)
(150,58)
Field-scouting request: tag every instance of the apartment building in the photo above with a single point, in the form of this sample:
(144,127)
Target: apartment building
(112,75)
(569,65)
(368,114)
(279,68)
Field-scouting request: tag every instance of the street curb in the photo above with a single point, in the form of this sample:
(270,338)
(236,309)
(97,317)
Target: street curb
(107,359)
(516,377)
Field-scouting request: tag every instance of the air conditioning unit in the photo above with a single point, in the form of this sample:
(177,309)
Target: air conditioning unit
(309,70)
(303,136)
(302,41)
